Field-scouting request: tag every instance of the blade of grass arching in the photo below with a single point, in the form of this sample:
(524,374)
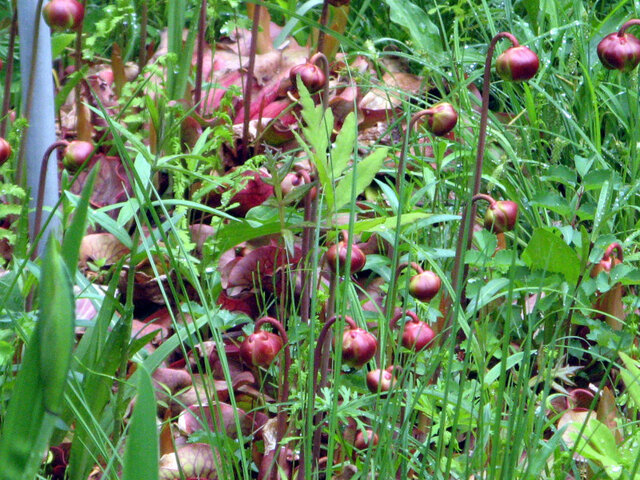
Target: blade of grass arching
(141,452)
(37,396)
(74,234)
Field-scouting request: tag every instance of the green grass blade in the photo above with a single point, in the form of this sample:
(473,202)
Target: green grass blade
(75,232)
(141,453)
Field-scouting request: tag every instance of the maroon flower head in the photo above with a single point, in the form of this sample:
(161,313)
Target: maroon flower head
(501,216)
(261,348)
(63,14)
(76,154)
(517,64)
(358,347)
(5,151)
(619,52)
(310,74)
(424,285)
(441,118)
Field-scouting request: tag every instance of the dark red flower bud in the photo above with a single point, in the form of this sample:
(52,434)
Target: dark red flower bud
(424,286)
(260,348)
(339,3)
(76,154)
(619,52)
(441,118)
(311,75)
(517,64)
(5,151)
(417,335)
(364,439)
(337,256)
(380,380)
(63,14)
(501,216)
(358,347)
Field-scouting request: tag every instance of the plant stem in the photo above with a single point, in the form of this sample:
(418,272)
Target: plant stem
(202,26)
(393,281)
(469,212)
(41,186)
(144,20)
(83,125)
(6,99)
(627,24)
(325,69)
(248,84)
(610,249)
(324,17)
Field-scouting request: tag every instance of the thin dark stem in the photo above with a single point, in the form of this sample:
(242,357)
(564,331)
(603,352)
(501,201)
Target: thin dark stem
(325,69)
(307,284)
(404,265)
(284,393)
(393,283)
(483,196)
(202,26)
(248,84)
(324,16)
(318,356)
(6,99)
(627,24)
(81,120)
(469,211)
(144,20)
(37,222)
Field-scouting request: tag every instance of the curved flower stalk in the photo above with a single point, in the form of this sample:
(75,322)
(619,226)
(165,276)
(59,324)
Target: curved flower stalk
(441,119)
(517,63)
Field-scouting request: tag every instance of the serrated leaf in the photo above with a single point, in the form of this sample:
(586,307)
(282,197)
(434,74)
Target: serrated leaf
(343,147)
(547,251)
(366,170)
(631,376)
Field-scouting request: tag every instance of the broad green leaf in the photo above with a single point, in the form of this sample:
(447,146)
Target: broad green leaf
(142,450)
(547,251)
(365,170)
(29,421)
(424,33)
(343,147)
(631,376)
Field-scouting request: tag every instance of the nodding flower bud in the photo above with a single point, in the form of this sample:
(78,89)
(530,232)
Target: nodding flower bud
(5,151)
(63,14)
(501,216)
(76,154)
(417,335)
(364,439)
(619,51)
(517,64)
(424,285)
(380,380)
(441,118)
(337,256)
(260,348)
(310,74)
(358,345)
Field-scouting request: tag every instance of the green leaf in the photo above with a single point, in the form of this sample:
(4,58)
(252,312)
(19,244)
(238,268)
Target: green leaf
(547,251)
(59,42)
(365,170)
(424,33)
(552,201)
(631,377)
(39,387)
(141,453)
(343,147)
(75,232)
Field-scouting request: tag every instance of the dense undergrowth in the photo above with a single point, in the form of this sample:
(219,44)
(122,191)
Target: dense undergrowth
(292,275)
